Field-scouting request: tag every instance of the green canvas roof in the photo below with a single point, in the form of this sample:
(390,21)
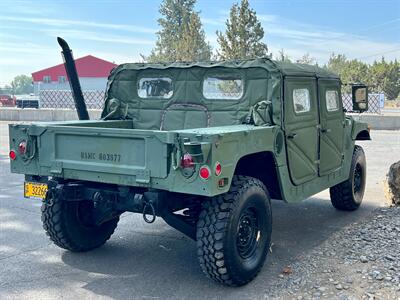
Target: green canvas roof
(187,107)
(285,68)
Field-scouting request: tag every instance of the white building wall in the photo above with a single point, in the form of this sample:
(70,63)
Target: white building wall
(87,83)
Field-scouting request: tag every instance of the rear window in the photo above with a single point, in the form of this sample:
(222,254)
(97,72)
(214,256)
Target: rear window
(155,87)
(223,87)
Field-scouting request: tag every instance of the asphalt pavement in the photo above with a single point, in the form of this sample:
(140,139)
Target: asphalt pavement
(143,261)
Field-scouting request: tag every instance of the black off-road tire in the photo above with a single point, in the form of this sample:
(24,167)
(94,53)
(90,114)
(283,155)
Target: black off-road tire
(64,225)
(223,251)
(348,195)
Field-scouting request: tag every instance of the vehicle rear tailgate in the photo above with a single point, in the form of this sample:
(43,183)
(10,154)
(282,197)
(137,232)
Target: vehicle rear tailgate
(78,151)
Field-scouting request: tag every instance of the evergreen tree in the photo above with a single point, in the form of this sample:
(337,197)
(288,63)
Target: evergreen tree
(381,76)
(386,78)
(243,36)
(283,57)
(306,59)
(181,37)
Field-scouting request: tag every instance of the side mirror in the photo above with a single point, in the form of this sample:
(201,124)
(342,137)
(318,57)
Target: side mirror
(359,94)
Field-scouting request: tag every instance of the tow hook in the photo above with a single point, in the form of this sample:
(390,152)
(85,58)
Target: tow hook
(149,205)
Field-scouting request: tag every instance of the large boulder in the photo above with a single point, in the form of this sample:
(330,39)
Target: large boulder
(392,184)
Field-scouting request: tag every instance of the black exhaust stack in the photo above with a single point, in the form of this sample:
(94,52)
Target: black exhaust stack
(73,79)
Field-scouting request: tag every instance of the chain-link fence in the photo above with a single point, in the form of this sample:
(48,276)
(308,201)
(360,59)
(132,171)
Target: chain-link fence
(375,103)
(94,99)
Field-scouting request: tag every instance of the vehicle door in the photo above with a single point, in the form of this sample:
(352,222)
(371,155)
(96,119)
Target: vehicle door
(301,128)
(332,126)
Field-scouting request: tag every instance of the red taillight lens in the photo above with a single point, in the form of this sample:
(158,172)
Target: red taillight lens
(218,169)
(187,161)
(22,147)
(13,155)
(204,172)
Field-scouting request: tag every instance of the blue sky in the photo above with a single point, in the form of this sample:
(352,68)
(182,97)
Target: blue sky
(122,29)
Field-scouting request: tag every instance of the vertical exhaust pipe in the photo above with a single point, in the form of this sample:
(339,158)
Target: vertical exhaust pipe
(73,79)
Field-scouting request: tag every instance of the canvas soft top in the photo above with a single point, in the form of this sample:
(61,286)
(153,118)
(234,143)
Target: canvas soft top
(285,68)
(188,107)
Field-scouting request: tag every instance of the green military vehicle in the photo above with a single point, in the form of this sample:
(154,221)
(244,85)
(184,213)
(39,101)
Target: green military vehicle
(206,146)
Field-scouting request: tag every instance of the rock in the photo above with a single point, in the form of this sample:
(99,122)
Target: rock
(363,259)
(379,277)
(339,287)
(389,257)
(287,270)
(392,184)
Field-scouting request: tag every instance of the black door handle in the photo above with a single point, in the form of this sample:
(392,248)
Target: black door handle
(325,130)
(291,135)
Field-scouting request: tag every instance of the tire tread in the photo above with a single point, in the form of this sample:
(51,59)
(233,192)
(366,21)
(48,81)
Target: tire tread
(211,228)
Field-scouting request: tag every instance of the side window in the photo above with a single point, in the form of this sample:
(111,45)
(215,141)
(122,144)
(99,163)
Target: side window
(223,87)
(46,79)
(155,87)
(301,100)
(332,100)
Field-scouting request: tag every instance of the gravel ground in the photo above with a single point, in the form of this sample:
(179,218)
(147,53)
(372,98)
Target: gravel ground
(360,262)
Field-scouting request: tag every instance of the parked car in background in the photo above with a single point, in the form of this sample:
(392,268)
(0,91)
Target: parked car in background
(7,100)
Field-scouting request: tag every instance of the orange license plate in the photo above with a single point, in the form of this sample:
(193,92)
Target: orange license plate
(35,190)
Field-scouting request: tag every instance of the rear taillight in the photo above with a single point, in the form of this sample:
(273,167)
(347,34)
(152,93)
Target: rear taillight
(187,161)
(22,147)
(13,155)
(188,166)
(205,172)
(218,169)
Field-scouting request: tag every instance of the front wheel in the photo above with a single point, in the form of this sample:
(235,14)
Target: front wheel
(69,224)
(234,232)
(348,195)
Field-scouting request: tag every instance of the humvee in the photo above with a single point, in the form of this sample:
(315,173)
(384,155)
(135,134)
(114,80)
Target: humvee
(205,146)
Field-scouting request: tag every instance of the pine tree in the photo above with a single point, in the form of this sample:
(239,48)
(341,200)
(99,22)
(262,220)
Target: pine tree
(385,77)
(181,37)
(283,57)
(307,59)
(243,35)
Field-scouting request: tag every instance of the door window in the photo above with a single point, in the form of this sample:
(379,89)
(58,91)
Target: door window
(301,100)
(332,100)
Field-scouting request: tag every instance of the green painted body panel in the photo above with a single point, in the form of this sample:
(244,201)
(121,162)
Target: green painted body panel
(139,142)
(301,132)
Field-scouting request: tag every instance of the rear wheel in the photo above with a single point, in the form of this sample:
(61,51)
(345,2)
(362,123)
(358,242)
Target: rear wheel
(234,232)
(70,225)
(348,195)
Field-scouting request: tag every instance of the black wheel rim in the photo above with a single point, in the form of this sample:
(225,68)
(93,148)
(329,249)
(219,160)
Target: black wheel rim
(248,233)
(358,179)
